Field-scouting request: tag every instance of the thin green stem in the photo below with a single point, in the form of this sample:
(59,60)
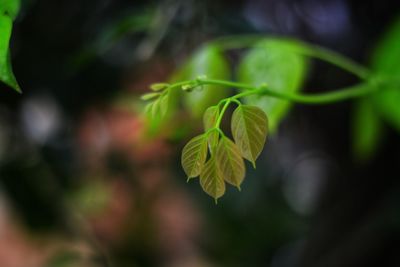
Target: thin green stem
(180,84)
(221,114)
(335,59)
(225,83)
(323,98)
(245,41)
(234,99)
(346,93)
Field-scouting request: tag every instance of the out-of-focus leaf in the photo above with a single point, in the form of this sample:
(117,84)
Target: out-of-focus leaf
(158,86)
(10,7)
(164,105)
(208,61)
(6,73)
(273,62)
(386,62)
(249,129)
(209,119)
(211,179)
(149,96)
(194,156)
(230,162)
(157,110)
(147,110)
(367,130)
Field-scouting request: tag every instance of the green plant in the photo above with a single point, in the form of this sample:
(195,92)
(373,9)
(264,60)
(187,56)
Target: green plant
(269,78)
(8,12)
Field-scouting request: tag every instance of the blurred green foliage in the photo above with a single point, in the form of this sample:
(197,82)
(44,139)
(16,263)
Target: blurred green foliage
(8,11)
(276,63)
(10,7)
(209,61)
(386,62)
(385,104)
(367,129)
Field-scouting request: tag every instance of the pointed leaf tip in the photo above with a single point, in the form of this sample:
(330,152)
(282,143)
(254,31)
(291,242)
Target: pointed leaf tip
(253,163)
(211,179)
(158,86)
(149,96)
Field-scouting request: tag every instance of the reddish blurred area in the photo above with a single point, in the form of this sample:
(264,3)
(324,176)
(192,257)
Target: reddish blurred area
(137,202)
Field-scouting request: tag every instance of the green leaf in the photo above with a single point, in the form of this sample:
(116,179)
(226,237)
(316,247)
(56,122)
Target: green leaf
(273,62)
(6,73)
(367,130)
(249,129)
(155,110)
(209,119)
(194,156)
(149,96)
(386,63)
(147,109)
(209,61)
(154,121)
(10,8)
(158,86)
(158,113)
(151,111)
(230,162)
(211,179)
(164,105)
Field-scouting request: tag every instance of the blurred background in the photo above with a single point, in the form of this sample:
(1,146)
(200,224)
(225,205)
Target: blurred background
(82,185)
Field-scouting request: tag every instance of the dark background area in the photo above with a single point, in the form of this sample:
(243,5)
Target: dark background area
(80,187)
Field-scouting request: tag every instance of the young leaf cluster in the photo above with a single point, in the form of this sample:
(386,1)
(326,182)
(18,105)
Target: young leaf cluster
(157,108)
(269,78)
(218,159)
